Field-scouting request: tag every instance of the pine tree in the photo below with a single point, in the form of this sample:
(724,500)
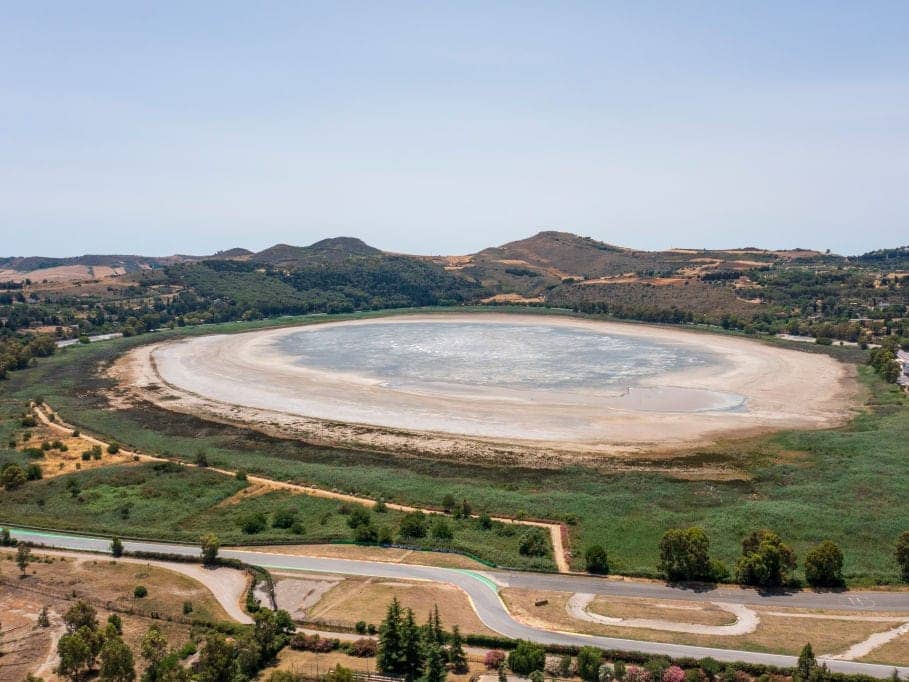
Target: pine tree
(390,655)
(456,654)
(435,666)
(806,664)
(411,648)
(435,626)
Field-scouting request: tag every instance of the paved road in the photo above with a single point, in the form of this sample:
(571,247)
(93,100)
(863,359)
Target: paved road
(482,590)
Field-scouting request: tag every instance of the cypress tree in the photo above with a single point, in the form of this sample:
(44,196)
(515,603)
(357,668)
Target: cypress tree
(456,654)
(390,656)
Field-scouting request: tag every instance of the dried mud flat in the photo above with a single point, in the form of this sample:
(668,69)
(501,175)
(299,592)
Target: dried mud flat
(240,379)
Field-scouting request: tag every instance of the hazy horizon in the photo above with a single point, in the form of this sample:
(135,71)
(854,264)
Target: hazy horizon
(445,129)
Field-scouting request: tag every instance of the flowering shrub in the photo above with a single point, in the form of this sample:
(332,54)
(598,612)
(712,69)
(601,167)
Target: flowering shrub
(635,674)
(494,659)
(673,674)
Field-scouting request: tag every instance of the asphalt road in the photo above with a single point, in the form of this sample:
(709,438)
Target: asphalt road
(481,587)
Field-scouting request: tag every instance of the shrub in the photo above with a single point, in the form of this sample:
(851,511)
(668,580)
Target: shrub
(824,565)
(284,518)
(116,547)
(360,627)
(359,516)
(33,472)
(187,650)
(367,534)
(140,592)
(113,448)
(494,659)
(533,543)
(363,648)
(303,642)
(13,476)
(634,673)
(441,529)
(252,523)
(589,660)
(28,422)
(86,455)
(766,561)
(596,560)
(413,525)
(526,657)
(240,475)
(187,608)
(673,674)
(902,555)
(380,507)
(684,555)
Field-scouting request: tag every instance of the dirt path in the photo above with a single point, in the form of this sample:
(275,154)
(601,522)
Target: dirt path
(878,639)
(746,622)
(555,530)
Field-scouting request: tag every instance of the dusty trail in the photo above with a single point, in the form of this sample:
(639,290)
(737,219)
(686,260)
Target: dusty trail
(555,530)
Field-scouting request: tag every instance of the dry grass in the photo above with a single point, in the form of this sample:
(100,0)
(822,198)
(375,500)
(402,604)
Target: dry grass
(31,649)
(113,582)
(387,554)
(895,652)
(777,634)
(368,598)
(309,663)
(702,613)
(58,462)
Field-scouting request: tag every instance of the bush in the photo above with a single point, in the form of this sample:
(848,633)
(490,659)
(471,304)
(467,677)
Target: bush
(596,560)
(240,475)
(494,659)
(360,627)
(140,592)
(33,472)
(284,518)
(187,608)
(86,455)
(359,516)
(367,534)
(441,529)
(589,660)
(902,555)
(187,650)
(303,642)
(413,525)
(674,674)
(113,448)
(766,561)
(684,555)
(363,648)
(533,543)
(824,565)
(253,523)
(526,657)
(634,673)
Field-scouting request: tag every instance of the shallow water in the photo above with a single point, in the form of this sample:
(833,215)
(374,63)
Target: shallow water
(508,356)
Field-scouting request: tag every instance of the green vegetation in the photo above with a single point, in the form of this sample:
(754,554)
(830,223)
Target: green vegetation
(798,481)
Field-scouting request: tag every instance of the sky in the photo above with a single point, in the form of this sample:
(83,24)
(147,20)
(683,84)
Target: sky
(444,128)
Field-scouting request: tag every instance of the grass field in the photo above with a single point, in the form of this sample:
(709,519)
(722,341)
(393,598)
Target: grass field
(846,484)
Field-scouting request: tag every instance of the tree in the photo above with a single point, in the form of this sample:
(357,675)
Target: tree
(389,657)
(441,529)
(589,660)
(75,656)
(116,547)
(902,555)
(766,561)
(79,615)
(596,560)
(806,664)
(434,631)
(824,565)
(435,666)
(411,647)
(685,554)
(456,655)
(533,543)
(216,659)
(413,525)
(210,546)
(526,657)
(117,664)
(271,632)
(13,476)
(43,618)
(448,503)
(284,518)
(23,556)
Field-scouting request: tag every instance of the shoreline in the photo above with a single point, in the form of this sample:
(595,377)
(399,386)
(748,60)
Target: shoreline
(204,375)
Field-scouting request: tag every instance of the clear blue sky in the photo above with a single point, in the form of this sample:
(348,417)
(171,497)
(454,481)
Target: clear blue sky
(437,127)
